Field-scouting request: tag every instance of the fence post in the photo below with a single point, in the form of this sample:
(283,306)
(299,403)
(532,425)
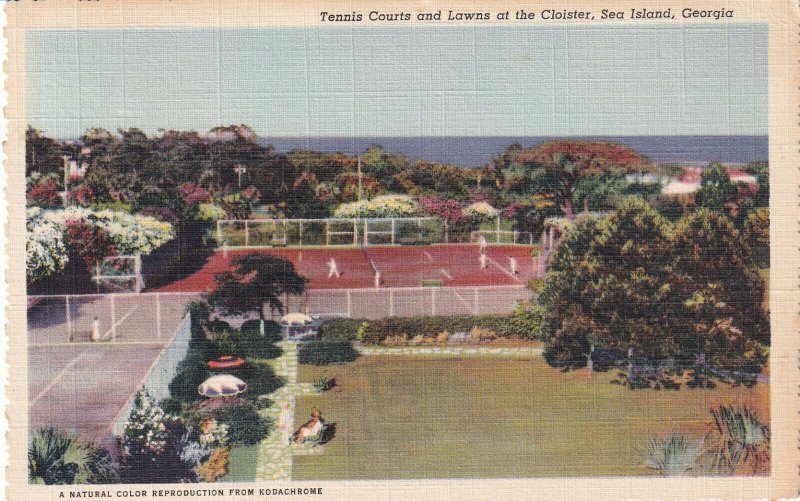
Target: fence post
(327,233)
(69,319)
(349,305)
(300,243)
(113,319)
(393,226)
(158,315)
(433,300)
(285,232)
(498,229)
(355,233)
(219,232)
(446,232)
(391,302)
(137,266)
(246,233)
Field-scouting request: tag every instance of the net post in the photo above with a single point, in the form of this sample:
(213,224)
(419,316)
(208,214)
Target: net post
(246,233)
(498,229)
(349,305)
(355,236)
(285,232)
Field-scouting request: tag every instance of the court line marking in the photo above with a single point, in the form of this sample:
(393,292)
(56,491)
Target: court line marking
(503,269)
(446,274)
(106,335)
(104,344)
(56,379)
(428,255)
(470,307)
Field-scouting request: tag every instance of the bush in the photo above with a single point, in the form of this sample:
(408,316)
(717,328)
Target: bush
(260,379)
(377,331)
(56,458)
(246,345)
(526,321)
(272,330)
(192,371)
(326,353)
(245,425)
(340,329)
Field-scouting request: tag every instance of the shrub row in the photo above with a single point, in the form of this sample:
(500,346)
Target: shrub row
(326,353)
(524,323)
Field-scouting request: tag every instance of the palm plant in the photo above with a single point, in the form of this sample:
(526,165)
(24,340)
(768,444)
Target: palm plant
(741,439)
(672,456)
(56,457)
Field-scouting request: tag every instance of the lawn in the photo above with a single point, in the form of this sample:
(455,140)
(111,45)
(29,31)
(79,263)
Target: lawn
(413,417)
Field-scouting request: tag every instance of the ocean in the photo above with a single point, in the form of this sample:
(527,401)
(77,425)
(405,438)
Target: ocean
(476,151)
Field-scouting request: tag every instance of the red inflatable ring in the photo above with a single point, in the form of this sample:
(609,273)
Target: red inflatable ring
(226,363)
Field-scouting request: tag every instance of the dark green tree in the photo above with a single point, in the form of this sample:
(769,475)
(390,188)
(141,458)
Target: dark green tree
(716,188)
(256,280)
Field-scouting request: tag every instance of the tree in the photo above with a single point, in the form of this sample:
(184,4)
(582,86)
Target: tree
(632,281)
(602,265)
(256,280)
(716,188)
(561,164)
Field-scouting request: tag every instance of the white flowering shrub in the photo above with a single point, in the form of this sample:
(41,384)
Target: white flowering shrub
(213,434)
(382,206)
(131,233)
(146,430)
(481,211)
(210,212)
(46,252)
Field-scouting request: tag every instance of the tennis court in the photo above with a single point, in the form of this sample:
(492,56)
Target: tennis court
(77,384)
(399,266)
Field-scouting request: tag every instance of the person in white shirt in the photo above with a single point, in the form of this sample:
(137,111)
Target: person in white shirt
(512,264)
(333,270)
(482,259)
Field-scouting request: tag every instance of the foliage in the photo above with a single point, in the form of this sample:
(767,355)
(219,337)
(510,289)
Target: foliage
(324,384)
(741,439)
(381,206)
(210,212)
(448,210)
(675,455)
(527,321)
(89,242)
(256,280)
(690,291)
(272,330)
(45,250)
(57,458)
(480,211)
(340,329)
(559,165)
(156,447)
(716,188)
(44,192)
(216,466)
(245,425)
(756,228)
(247,344)
(326,353)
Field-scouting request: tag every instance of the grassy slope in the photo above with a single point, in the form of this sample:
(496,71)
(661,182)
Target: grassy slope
(405,417)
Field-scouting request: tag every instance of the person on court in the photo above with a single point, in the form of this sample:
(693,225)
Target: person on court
(333,270)
(482,259)
(512,264)
(482,244)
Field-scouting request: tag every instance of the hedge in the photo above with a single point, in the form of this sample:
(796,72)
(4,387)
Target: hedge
(326,353)
(340,329)
(378,330)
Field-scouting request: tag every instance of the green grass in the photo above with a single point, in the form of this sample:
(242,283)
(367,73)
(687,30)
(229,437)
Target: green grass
(407,417)
(242,464)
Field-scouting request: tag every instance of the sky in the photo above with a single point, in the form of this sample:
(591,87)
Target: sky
(405,81)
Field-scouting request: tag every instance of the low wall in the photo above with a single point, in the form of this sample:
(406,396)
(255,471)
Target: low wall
(164,369)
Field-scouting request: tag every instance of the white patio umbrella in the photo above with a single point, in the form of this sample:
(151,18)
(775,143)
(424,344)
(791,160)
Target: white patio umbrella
(222,385)
(296,319)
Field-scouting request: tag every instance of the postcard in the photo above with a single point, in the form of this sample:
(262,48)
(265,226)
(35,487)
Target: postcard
(402,250)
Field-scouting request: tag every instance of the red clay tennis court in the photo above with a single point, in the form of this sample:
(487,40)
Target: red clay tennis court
(399,266)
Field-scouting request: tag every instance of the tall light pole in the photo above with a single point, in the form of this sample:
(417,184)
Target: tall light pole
(66,179)
(359,178)
(240,169)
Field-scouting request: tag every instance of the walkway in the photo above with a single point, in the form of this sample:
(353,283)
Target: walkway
(450,351)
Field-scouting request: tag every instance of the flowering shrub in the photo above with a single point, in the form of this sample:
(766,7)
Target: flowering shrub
(44,193)
(213,434)
(90,242)
(145,430)
(46,252)
(480,211)
(192,193)
(382,206)
(210,212)
(215,467)
(449,210)
(81,195)
(512,210)
(161,213)
(130,234)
